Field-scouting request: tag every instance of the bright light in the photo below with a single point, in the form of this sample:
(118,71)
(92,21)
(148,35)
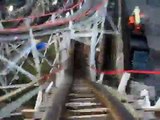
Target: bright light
(54,2)
(10,9)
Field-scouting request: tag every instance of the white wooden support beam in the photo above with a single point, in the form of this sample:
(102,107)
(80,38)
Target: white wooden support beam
(13,86)
(35,53)
(53,17)
(100,81)
(67,14)
(145,102)
(86,34)
(23,53)
(80,5)
(33,46)
(39,100)
(48,89)
(93,47)
(2,81)
(48,44)
(123,83)
(1,26)
(114,27)
(72,12)
(93,52)
(13,65)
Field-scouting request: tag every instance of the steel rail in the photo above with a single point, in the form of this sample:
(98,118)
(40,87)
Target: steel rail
(118,110)
(112,104)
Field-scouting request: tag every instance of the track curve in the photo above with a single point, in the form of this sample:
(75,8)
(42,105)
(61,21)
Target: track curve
(88,8)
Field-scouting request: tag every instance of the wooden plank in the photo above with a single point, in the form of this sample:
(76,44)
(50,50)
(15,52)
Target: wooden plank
(28,113)
(90,110)
(88,117)
(81,104)
(151,109)
(83,99)
(81,95)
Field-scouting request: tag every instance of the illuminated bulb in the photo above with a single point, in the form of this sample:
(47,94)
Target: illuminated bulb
(10,8)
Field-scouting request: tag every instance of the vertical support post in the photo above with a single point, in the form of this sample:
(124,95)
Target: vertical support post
(7,50)
(123,83)
(39,100)
(48,89)
(1,26)
(119,15)
(57,52)
(71,29)
(43,6)
(72,12)
(34,49)
(2,81)
(53,17)
(100,81)
(93,52)
(146,101)
(65,46)
(48,44)
(37,62)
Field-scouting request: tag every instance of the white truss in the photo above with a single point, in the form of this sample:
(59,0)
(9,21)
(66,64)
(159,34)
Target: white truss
(89,31)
